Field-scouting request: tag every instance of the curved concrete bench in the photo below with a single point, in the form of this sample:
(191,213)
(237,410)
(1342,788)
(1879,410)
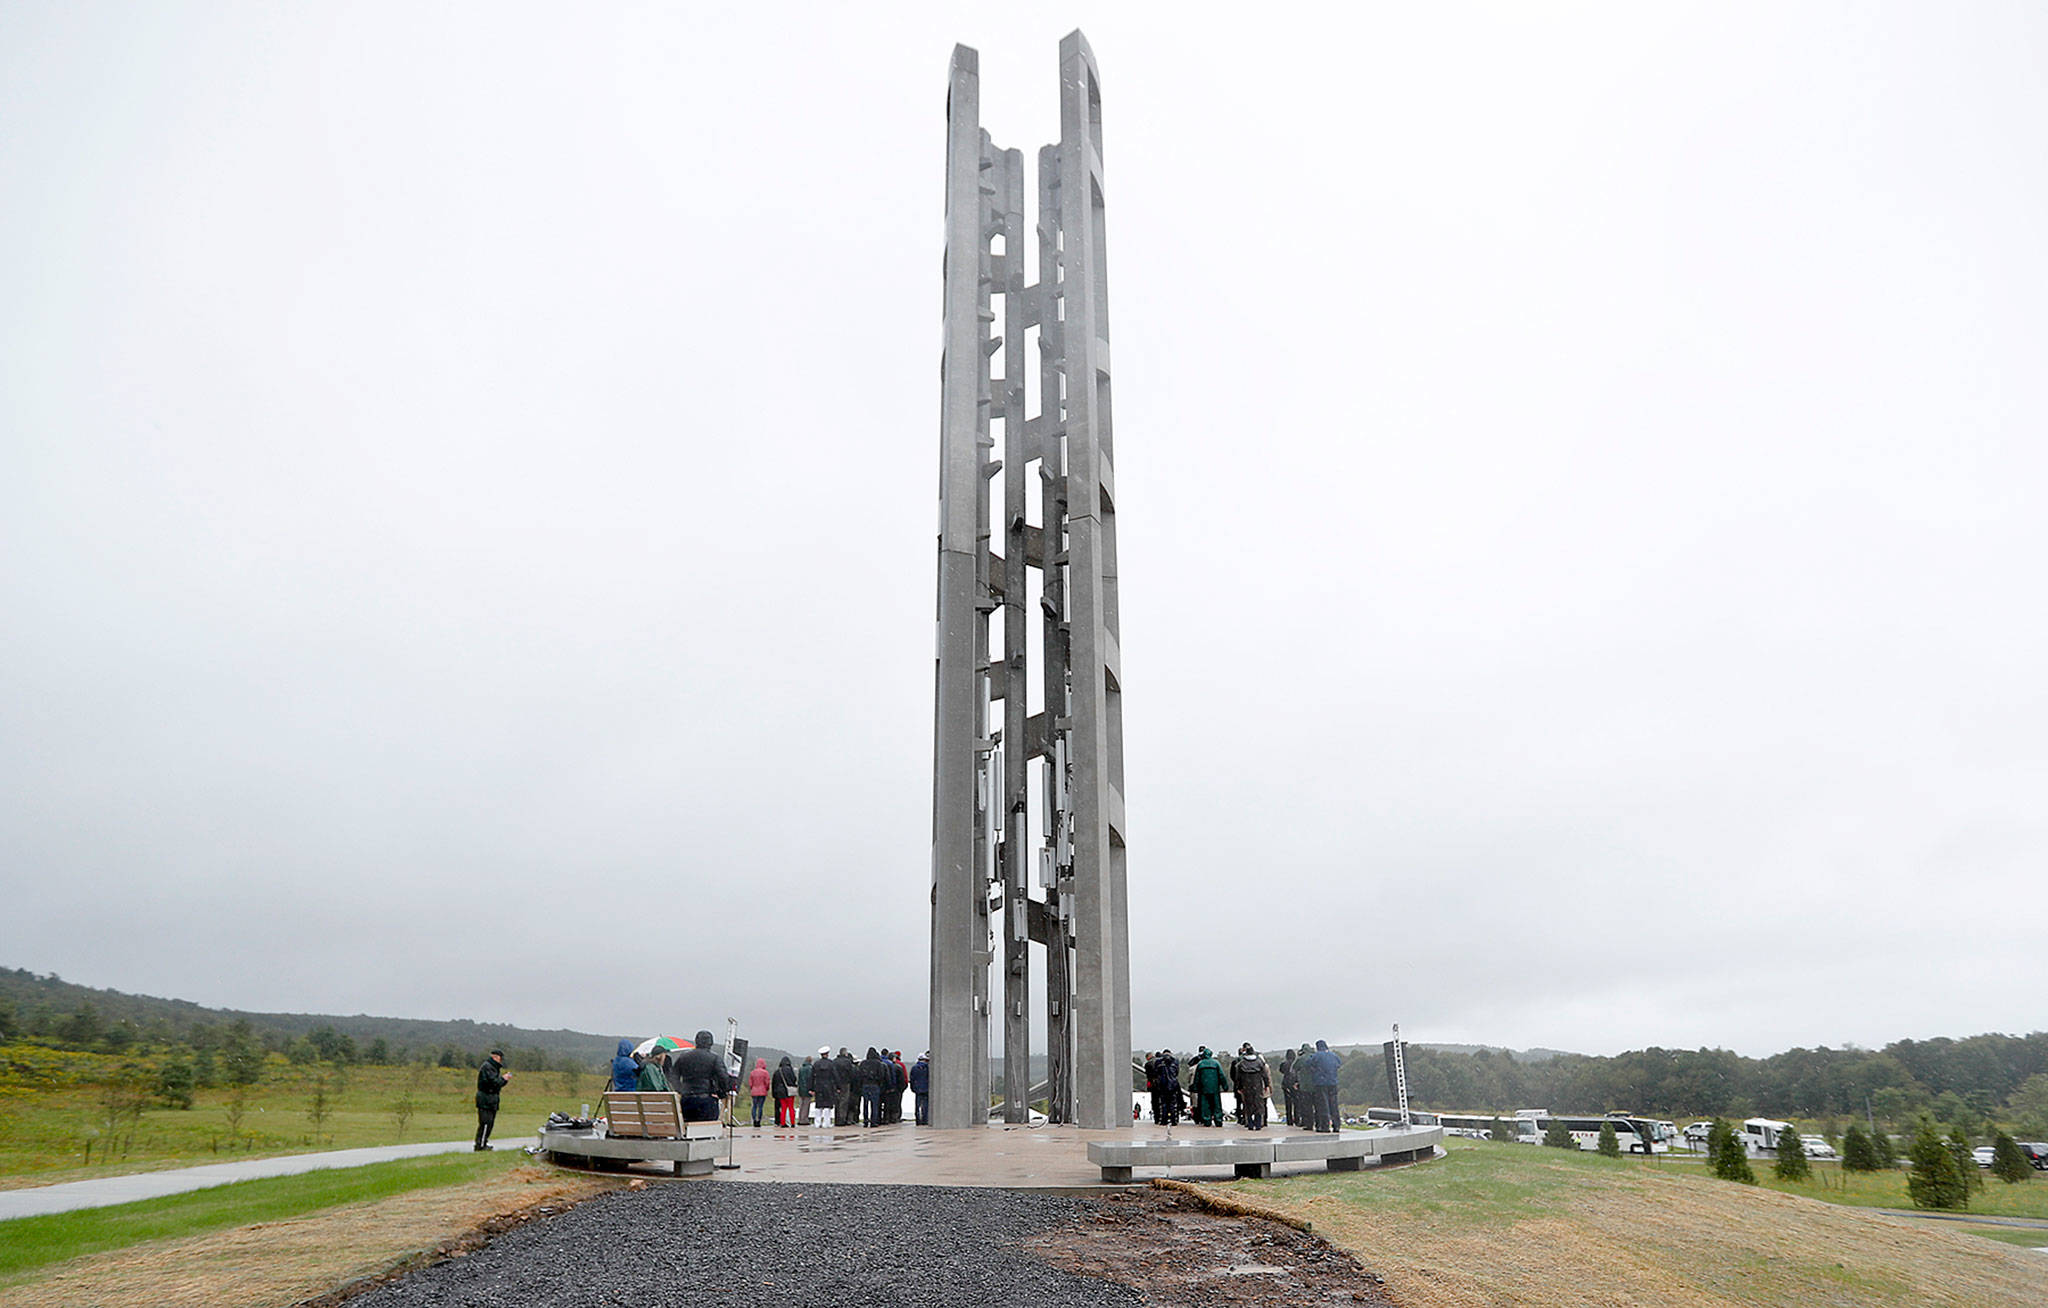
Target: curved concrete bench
(1251,1155)
(692,1154)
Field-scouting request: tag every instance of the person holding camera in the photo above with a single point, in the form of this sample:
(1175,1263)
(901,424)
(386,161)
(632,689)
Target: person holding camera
(490,1080)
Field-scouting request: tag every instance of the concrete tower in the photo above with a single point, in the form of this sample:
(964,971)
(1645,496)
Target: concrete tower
(987,739)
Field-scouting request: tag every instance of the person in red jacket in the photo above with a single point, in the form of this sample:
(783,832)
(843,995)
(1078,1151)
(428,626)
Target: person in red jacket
(783,1086)
(758,1085)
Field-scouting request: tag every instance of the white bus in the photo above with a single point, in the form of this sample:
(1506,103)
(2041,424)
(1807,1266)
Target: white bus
(1760,1135)
(1638,1135)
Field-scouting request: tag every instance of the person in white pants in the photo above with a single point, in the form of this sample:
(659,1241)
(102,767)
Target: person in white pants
(824,1089)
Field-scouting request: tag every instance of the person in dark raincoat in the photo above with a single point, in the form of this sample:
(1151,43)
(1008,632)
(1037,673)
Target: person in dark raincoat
(824,1088)
(1207,1081)
(701,1080)
(921,1087)
(849,1088)
(1289,1084)
(490,1079)
(1322,1079)
(875,1073)
(1251,1081)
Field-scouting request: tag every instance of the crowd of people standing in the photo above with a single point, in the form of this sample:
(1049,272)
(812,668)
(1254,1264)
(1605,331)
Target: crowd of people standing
(1192,1087)
(827,1090)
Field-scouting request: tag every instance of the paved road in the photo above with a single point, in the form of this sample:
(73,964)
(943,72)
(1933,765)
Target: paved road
(106,1190)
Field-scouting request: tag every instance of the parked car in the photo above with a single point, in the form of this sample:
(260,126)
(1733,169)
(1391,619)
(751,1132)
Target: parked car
(1817,1146)
(2036,1152)
(1696,1134)
(1983,1154)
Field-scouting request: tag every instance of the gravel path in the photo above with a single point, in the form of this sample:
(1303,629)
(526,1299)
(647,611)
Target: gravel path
(761,1244)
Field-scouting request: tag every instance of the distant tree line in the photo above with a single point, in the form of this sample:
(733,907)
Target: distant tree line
(53,1011)
(1974,1082)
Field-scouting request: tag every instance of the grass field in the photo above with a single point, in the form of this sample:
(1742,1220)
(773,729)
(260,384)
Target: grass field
(1831,1184)
(1539,1228)
(56,1125)
(373,1225)
(28,1243)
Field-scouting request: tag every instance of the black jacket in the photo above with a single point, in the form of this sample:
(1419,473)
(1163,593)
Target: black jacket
(490,1079)
(699,1072)
(825,1081)
(877,1072)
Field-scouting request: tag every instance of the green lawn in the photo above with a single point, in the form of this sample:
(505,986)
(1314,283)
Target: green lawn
(57,1126)
(1888,1190)
(27,1243)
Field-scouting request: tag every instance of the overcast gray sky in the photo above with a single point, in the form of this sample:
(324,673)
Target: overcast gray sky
(466,532)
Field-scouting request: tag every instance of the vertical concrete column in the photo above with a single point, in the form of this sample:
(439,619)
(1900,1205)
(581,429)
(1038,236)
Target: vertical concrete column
(957,912)
(1018,453)
(1102,1076)
(1054,741)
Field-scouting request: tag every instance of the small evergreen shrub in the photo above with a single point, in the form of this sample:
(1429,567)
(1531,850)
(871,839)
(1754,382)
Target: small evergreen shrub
(1610,1143)
(1935,1181)
(1791,1164)
(2008,1163)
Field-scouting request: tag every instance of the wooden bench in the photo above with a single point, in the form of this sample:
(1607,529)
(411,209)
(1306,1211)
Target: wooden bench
(1253,1155)
(643,1114)
(641,1126)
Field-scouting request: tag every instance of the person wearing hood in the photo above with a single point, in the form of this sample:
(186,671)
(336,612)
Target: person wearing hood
(1252,1081)
(1290,1083)
(759,1082)
(921,1087)
(824,1089)
(803,1089)
(625,1072)
(782,1086)
(1208,1080)
(1322,1079)
(849,1088)
(1161,1073)
(490,1079)
(874,1075)
(701,1080)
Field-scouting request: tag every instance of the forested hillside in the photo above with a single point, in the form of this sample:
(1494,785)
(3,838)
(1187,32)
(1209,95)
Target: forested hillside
(1975,1078)
(84,1017)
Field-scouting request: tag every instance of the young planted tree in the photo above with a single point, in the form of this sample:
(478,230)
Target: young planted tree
(1935,1181)
(2008,1163)
(240,1054)
(237,1108)
(1500,1131)
(1730,1160)
(319,1108)
(1610,1143)
(1887,1150)
(175,1082)
(1555,1136)
(1859,1153)
(1791,1164)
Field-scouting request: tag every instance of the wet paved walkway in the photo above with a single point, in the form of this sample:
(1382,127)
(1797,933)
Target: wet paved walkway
(1009,1157)
(107,1190)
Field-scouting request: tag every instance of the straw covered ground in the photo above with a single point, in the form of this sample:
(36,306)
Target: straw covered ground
(1514,1225)
(273,1264)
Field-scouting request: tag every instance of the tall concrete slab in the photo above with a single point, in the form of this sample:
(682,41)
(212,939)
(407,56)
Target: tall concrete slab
(959,917)
(983,771)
